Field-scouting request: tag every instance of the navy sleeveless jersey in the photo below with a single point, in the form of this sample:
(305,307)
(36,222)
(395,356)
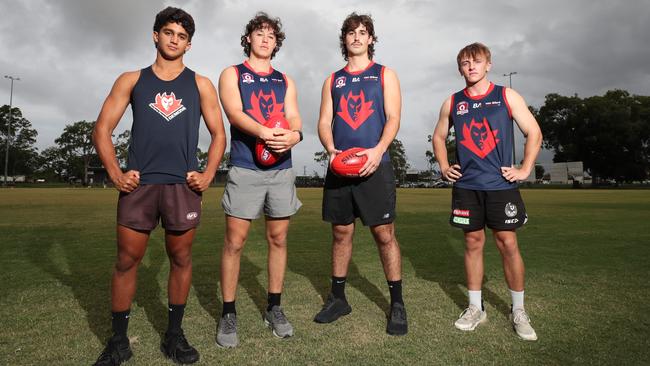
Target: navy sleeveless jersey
(483,126)
(262,96)
(358,105)
(165,131)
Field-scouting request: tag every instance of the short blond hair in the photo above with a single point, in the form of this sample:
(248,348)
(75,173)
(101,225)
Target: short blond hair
(472,51)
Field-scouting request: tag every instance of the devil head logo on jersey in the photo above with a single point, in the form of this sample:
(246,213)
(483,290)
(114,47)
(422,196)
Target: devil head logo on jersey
(167,105)
(354,109)
(479,138)
(264,106)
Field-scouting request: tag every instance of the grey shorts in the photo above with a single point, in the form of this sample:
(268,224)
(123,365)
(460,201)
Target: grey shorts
(175,205)
(248,192)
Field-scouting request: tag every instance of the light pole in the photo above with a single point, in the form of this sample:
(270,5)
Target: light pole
(514,154)
(11,97)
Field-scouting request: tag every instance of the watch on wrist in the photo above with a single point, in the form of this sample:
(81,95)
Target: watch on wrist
(299,133)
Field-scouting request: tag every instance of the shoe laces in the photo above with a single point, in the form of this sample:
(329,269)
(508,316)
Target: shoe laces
(329,302)
(278,315)
(182,341)
(229,324)
(519,316)
(398,312)
(470,312)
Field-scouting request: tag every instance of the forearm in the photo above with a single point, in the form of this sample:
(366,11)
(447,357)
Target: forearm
(106,152)
(215,154)
(389,134)
(440,152)
(245,123)
(531,150)
(326,137)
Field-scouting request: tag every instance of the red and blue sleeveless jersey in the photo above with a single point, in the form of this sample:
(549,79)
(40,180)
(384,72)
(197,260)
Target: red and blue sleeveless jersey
(262,96)
(484,138)
(358,106)
(165,130)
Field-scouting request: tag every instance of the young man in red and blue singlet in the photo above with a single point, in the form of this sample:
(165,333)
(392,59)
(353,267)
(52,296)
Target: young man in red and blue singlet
(251,93)
(485,179)
(361,107)
(162,181)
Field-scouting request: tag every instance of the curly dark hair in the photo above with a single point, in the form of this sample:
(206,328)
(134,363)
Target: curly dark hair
(351,23)
(174,15)
(260,21)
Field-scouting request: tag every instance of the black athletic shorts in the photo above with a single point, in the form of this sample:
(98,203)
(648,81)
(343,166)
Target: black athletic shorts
(370,198)
(500,210)
(176,205)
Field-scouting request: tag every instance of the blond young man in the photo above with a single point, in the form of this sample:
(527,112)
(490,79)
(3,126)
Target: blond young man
(485,179)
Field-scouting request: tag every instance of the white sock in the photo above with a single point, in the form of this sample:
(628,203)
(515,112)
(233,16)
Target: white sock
(475,298)
(517,299)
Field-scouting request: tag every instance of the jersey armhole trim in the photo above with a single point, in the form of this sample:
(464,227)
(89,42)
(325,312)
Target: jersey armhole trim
(505,99)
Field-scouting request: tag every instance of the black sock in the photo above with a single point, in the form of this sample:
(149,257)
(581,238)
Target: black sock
(338,287)
(274,299)
(395,288)
(176,313)
(120,320)
(228,308)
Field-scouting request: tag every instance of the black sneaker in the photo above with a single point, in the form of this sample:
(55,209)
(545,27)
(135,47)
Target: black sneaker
(333,309)
(117,351)
(176,348)
(397,324)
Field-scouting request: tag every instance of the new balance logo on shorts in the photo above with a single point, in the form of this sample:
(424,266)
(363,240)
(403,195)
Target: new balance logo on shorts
(192,215)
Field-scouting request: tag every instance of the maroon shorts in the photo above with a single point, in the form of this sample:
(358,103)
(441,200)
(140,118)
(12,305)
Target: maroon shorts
(176,205)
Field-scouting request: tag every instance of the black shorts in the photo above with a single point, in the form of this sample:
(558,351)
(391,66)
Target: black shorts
(500,210)
(176,205)
(370,198)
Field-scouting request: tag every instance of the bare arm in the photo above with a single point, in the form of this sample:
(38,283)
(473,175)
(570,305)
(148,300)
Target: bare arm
(213,121)
(232,105)
(393,111)
(529,127)
(325,120)
(284,140)
(112,110)
(439,141)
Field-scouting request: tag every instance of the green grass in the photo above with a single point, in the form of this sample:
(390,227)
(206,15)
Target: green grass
(586,251)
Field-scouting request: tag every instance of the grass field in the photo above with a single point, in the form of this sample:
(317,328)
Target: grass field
(587,254)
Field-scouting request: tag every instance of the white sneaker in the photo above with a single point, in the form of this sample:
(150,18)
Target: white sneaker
(521,324)
(470,318)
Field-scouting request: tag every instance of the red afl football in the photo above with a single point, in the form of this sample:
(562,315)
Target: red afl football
(347,163)
(263,155)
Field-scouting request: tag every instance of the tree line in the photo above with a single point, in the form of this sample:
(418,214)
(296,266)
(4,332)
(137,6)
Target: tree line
(610,134)
(71,159)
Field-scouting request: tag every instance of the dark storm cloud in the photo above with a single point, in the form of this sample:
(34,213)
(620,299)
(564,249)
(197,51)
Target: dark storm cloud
(68,53)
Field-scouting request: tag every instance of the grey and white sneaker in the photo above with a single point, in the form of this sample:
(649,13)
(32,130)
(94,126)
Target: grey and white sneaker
(521,324)
(470,318)
(276,320)
(227,331)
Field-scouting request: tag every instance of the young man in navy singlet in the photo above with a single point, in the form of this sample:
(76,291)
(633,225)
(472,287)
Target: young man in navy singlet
(162,180)
(361,107)
(252,93)
(485,179)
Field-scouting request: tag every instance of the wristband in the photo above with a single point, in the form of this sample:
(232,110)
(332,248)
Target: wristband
(299,133)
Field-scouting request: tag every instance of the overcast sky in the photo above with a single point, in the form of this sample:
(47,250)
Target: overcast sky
(69,53)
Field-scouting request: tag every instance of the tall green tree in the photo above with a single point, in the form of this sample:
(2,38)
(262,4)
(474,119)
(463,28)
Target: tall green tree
(51,164)
(450,144)
(225,161)
(121,143)
(77,149)
(398,159)
(23,155)
(610,134)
